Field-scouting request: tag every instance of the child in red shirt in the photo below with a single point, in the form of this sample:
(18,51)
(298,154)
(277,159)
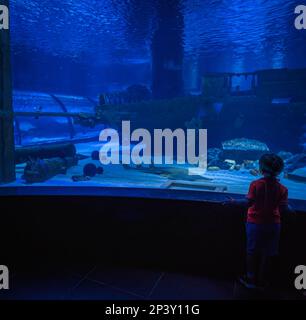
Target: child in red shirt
(267,199)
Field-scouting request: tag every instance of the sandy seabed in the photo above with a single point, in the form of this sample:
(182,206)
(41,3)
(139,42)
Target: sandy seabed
(117,176)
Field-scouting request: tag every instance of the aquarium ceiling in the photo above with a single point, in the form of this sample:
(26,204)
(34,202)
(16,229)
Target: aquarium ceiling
(237,35)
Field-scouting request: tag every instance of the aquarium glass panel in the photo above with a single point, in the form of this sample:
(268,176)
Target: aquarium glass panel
(117,94)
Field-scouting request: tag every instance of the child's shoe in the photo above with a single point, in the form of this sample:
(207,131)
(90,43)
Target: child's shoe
(248,282)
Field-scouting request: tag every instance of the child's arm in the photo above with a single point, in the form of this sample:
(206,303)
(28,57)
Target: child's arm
(241,202)
(286,209)
(284,206)
(247,202)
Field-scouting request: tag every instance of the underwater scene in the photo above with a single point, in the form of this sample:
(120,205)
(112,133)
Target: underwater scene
(236,68)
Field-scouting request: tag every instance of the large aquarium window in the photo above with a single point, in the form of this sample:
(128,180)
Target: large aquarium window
(71,69)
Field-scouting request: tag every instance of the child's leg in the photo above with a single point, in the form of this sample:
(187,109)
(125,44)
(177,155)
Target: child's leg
(270,251)
(252,259)
(249,280)
(265,270)
(252,267)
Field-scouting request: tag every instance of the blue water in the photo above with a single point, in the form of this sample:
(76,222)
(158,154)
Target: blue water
(66,53)
(107,43)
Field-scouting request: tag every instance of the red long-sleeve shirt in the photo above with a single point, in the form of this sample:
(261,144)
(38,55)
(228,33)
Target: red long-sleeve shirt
(266,196)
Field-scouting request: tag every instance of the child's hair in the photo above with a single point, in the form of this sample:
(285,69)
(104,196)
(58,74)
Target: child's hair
(271,164)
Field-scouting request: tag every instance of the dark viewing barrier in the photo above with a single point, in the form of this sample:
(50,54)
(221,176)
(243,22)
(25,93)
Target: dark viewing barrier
(164,229)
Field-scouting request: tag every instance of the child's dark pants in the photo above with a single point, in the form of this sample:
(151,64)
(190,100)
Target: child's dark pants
(262,245)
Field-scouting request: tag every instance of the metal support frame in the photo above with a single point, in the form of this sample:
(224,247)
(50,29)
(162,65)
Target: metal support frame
(7,146)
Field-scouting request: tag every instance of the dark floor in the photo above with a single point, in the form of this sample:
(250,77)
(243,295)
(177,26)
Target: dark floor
(101,283)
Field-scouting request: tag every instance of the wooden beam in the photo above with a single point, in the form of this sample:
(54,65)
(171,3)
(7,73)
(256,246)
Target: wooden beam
(7,147)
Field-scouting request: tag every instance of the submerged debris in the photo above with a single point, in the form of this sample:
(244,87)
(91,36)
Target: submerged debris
(243,149)
(91,170)
(95,155)
(80,178)
(254,172)
(61,150)
(213,169)
(42,170)
(295,162)
(215,159)
(250,164)
(298,175)
(285,155)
